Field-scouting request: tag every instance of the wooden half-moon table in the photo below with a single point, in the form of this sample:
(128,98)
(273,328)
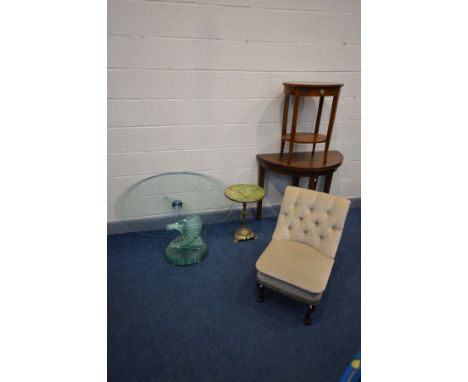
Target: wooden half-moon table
(302,165)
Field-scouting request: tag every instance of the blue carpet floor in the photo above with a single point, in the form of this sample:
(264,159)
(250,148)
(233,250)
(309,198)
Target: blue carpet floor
(202,322)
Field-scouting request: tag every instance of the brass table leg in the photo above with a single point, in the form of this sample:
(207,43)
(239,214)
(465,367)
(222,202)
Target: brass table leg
(244,232)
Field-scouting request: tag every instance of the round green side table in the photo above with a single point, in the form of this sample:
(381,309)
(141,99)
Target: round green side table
(244,193)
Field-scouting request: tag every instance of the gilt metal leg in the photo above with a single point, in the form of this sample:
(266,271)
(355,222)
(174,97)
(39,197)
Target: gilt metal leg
(244,214)
(261,294)
(244,232)
(309,311)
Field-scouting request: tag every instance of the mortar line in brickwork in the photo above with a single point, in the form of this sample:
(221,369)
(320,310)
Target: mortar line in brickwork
(278,98)
(232,70)
(200,4)
(139,36)
(217,148)
(214,170)
(215,124)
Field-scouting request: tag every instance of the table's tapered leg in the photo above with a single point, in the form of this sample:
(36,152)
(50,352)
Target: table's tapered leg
(285,122)
(261,181)
(328,181)
(331,122)
(292,137)
(317,122)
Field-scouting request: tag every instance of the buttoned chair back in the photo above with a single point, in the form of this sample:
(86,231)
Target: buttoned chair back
(313,218)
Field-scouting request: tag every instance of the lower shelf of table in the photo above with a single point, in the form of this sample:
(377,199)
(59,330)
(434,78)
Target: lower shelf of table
(306,138)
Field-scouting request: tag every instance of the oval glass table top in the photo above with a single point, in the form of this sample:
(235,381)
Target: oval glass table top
(163,199)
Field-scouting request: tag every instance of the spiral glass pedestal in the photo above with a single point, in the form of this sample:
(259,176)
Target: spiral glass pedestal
(183,202)
(189,248)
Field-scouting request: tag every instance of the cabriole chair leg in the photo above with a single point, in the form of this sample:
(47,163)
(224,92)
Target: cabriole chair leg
(309,311)
(260,295)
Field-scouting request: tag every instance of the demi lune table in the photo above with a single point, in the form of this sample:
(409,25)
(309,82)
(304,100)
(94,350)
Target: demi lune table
(298,90)
(301,165)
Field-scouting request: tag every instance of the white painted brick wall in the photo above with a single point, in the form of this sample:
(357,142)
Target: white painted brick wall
(196,85)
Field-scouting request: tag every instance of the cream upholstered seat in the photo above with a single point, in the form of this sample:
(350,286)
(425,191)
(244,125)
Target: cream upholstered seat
(299,259)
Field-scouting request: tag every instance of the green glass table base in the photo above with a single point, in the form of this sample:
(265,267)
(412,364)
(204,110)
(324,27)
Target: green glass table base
(189,248)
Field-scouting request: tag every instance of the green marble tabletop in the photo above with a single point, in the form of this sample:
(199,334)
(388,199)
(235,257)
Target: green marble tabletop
(244,193)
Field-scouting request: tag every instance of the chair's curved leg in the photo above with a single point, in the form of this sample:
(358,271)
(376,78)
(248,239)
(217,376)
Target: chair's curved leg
(261,294)
(309,311)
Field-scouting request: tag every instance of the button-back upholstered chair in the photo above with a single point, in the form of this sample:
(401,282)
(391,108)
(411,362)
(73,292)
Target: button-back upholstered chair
(299,259)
